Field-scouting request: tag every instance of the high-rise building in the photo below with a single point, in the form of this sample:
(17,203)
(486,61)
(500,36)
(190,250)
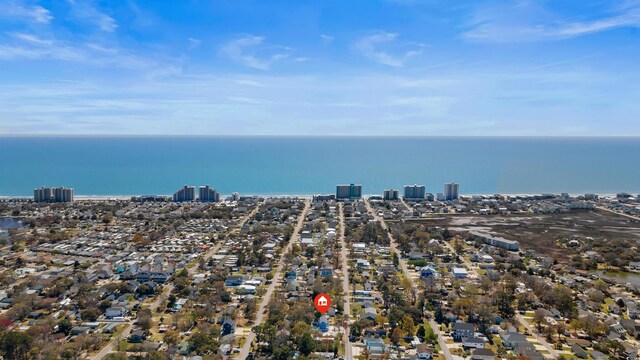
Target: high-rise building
(350,191)
(235,196)
(187,193)
(451,191)
(56,194)
(207,194)
(414,191)
(391,194)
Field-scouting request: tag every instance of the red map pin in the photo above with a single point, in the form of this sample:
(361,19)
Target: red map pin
(322,303)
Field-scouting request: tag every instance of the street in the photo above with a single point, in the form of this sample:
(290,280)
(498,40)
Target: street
(244,351)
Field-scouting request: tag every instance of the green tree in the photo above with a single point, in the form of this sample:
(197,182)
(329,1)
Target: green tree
(15,345)
(306,344)
(203,344)
(90,314)
(396,335)
(65,326)
(408,326)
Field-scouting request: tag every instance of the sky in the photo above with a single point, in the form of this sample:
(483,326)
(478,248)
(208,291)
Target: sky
(335,67)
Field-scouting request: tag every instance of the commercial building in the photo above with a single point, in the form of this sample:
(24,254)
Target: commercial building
(414,191)
(500,242)
(150,198)
(208,194)
(187,193)
(326,197)
(350,191)
(56,194)
(391,194)
(235,197)
(451,191)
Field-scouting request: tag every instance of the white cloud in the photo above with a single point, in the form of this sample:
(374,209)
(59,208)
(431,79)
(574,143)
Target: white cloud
(550,103)
(326,38)
(370,47)
(243,50)
(20,10)
(526,20)
(194,43)
(33,47)
(85,10)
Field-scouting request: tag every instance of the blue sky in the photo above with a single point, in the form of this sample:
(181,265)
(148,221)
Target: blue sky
(395,67)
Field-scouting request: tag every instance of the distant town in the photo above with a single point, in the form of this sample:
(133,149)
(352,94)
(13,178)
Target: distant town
(411,275)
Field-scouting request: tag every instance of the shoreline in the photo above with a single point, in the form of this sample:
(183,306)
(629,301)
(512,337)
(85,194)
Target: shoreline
(128,197)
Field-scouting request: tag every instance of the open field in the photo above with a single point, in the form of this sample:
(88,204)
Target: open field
(540,232)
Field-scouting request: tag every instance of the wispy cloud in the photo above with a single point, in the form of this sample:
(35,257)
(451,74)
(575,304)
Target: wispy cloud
(30,46)
(371,47)
(526,20)
(23,11)
(86,10)
(326,38)
(244,51)
(20,45)
(194,43)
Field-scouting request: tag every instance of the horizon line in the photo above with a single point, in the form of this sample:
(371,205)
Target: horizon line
(310,136)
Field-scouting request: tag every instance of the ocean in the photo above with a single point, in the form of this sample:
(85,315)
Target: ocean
(312,165)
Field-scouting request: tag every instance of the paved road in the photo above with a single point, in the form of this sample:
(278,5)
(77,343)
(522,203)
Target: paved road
(345,284)
(111,345)
(441,340)
(553,353)
(405,204)
(244,351)
(405,271)
(392,247)
(618,213)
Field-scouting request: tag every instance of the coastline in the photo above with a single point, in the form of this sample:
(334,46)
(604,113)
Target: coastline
(303,196)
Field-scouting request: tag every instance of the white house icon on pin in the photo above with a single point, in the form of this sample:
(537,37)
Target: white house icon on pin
(322,301)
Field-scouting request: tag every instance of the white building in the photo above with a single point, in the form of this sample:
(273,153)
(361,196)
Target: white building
(208,194)
(391,194)
(187,193)
(451,191)
(56,194)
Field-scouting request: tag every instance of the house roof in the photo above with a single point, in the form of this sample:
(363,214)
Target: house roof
(483,352)
(463,326)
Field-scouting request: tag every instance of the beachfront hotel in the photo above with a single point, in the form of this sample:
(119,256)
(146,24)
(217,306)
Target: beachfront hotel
(53,194)
(414,191)
(451,191)
(350,191)
(208,194)
(187,193)
(391,195)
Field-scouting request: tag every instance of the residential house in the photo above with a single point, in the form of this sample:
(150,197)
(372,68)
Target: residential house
(136,337)
(462,330)
(233,280)
(579,351)
(228,327)
(483,354)
(369,313)
(459,273)
(375,346)
(114,312)
(77,330)
(323,323)
(472,342)
(424,352)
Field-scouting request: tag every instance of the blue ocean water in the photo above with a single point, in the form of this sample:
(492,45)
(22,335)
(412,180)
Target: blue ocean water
(310,165)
